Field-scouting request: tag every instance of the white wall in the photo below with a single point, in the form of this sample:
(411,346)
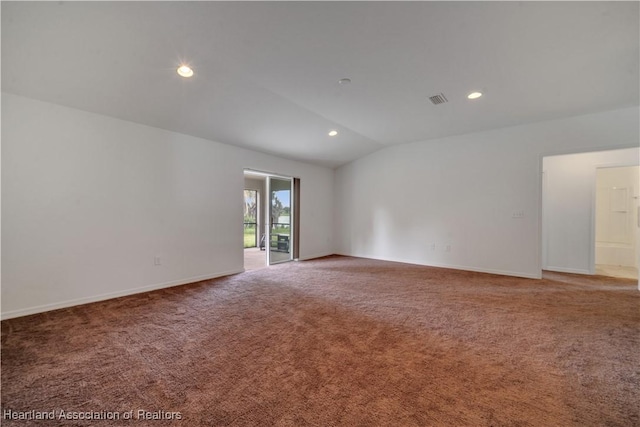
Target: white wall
(88,201)
(451,201)
(569,207)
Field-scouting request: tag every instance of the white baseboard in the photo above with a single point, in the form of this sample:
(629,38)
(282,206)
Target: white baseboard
(457,267)
(492,271)
(567,270)
(308,257)
(86,300)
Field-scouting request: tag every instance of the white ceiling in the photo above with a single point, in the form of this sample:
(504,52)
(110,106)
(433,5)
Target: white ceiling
(266,72)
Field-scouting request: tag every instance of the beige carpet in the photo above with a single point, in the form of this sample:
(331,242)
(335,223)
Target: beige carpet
(339,342)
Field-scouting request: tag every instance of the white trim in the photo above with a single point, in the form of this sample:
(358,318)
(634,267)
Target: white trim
(321,255)
(542,220)
(102,297)
(292,220)
(594,189)
(456,267)
(569,270)
(253,172)
(269,218)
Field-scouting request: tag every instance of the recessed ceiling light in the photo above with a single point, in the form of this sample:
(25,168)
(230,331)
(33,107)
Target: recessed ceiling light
(474,95)
(344,81)
(185,71)
(333,132)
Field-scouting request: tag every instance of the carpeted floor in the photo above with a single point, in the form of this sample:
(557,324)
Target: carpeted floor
(338,341)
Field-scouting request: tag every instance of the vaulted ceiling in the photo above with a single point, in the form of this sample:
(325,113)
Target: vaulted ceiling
(266,73)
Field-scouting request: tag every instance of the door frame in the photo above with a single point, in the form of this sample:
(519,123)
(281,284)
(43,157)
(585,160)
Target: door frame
(294,215)
(594,190)
(270,219)
(542,184)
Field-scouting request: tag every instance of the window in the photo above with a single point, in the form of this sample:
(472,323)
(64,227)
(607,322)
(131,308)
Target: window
(250,218)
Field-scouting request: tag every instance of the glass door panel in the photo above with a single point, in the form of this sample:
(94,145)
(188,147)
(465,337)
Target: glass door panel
(280,215)
(250,218)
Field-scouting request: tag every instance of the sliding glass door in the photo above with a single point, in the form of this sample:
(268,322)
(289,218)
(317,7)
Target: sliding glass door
(280,220)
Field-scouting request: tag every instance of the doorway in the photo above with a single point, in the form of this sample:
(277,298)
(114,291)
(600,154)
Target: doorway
(253,258)
(616,210)
(572,240)
(276,219)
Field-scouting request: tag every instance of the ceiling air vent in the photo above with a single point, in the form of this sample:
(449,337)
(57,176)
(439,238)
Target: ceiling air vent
(438,99)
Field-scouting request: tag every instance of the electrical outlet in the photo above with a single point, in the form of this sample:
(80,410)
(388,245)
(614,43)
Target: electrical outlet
(156,260)
(517,214)
(433,246)
(447,248)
